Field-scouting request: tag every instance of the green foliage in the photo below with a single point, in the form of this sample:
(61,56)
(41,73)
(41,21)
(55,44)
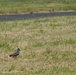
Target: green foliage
(38,44)
(70,41)
(13,67)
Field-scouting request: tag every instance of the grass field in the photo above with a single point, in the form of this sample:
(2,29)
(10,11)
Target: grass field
(48,46)
(33,6)
(40,1)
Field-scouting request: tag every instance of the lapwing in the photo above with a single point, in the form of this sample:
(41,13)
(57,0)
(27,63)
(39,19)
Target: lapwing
(15,54)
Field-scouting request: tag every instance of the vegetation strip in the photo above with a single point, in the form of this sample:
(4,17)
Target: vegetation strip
(35,6)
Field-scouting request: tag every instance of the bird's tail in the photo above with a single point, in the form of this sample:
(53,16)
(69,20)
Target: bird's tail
(10,55)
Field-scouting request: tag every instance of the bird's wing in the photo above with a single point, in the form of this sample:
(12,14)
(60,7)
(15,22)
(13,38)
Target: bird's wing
(16,53)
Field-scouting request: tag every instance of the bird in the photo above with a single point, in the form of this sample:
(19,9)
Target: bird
(15,54)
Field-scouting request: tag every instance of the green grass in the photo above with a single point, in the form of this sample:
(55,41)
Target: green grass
(34,6)
(47,46)
(39,1)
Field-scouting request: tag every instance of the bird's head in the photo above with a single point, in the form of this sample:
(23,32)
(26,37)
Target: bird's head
(18,49)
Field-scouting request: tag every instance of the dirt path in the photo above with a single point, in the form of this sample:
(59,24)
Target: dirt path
(36,15)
